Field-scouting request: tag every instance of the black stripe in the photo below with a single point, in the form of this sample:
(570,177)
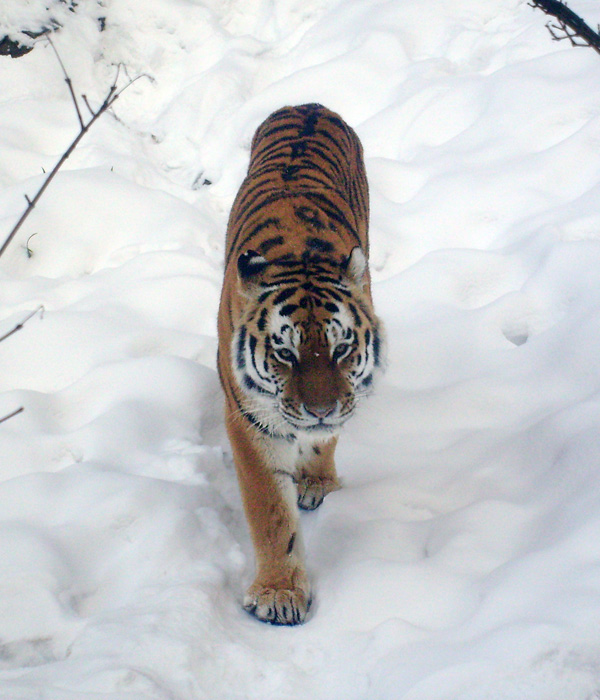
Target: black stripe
(264,202)
(335,164)
(241,360)
(262,321)
(334,212)
(319,244)
(288,309)
(253,342)
(253,386)
(376,347)
(354,312)
(271,221)
(330,293)
(278,128)
(292,539)
(310,177)
(310,124)
(284,295)
(265,295)
(266,246)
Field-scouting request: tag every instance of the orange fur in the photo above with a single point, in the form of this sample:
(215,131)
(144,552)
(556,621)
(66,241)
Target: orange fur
(296,329)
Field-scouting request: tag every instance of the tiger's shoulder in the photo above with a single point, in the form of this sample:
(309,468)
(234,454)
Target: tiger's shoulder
(306,187)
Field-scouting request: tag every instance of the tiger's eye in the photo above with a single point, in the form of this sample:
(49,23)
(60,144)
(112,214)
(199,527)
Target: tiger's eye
(341,351)
(286,355)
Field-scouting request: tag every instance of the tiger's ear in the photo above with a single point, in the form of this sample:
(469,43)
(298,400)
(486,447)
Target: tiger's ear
(356,265)
(250,264)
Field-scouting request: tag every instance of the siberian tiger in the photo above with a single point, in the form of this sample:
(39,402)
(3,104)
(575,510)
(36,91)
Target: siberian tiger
(299,342)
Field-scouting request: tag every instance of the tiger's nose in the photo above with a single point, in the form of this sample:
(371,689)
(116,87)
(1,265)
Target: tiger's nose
(320,411)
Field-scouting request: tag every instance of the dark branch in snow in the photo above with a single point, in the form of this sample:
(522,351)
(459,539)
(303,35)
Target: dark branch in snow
(570,25)
(12,415)
(40,310)
(109,100)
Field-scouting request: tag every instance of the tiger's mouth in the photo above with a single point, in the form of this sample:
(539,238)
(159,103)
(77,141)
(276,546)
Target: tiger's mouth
(314,424)
(318,427)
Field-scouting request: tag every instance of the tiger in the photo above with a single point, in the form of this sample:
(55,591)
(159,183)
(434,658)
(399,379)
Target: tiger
(299,344)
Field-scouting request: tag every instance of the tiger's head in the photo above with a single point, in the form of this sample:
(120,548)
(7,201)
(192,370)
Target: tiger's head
(309,344)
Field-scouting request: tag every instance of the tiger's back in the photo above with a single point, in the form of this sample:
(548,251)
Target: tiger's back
(299,342)
(306,187)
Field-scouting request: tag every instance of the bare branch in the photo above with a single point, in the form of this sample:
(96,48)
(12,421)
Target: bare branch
(12,415)
(40,310)
(109,100)
(570,25)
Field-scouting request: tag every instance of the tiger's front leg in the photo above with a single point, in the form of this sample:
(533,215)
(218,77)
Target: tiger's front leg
(315,474)
(280,593)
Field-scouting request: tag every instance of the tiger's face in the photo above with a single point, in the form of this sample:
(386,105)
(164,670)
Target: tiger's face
(309,344)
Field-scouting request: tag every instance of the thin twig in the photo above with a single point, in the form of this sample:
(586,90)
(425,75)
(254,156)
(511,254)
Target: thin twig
(131,81)
(67,79)
(87,104)
(19,326)
(12,415)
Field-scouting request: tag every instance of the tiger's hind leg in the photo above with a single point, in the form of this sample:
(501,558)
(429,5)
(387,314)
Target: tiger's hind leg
(315,474)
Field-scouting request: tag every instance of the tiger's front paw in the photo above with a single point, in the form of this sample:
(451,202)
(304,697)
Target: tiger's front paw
(278,606)
(313,489)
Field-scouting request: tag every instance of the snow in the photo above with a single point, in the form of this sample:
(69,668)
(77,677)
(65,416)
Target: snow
(461,558)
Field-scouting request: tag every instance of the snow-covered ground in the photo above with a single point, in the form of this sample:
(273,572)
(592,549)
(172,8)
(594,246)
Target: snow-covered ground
(461,560)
